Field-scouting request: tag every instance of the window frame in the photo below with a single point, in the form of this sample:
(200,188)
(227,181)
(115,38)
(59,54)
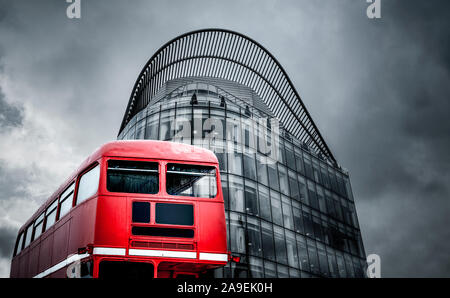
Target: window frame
(62,199)
(40,219)
(80,176)
(29,229)
(216,176)
(50,208)
(19,243)
(105,179)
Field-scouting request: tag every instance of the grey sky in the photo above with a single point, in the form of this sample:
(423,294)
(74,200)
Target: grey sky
(378,90)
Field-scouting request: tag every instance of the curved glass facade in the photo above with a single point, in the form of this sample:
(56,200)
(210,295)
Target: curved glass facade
(290,213)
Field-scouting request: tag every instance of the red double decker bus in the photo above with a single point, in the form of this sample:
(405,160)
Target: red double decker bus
(132,209)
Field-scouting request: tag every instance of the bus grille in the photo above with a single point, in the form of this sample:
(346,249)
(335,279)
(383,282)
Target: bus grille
(165,245)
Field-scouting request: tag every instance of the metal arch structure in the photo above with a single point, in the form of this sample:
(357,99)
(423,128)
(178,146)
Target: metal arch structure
(229,55)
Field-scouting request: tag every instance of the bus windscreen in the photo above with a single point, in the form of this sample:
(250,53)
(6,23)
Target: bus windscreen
(191,180)
(132,177)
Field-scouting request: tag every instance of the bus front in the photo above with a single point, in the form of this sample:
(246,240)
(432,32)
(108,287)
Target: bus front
(159,218)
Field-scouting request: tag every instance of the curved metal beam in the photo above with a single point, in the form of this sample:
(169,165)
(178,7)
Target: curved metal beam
(233,56)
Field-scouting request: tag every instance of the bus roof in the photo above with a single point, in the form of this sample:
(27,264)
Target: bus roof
(155,150)
(135,149)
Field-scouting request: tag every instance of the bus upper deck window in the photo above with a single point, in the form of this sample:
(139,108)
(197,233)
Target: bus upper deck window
(132,176)
(191,180)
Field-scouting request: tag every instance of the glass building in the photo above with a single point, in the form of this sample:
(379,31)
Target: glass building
(289,205)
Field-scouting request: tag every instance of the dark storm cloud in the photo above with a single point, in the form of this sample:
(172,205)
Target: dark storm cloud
(7,239)
(10,115)
(399,137)
(12,181)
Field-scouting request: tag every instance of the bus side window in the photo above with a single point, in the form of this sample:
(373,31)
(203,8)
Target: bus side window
(38,226)
(66,200)
(88,184)
(19,244)
(50,215)
(28,235)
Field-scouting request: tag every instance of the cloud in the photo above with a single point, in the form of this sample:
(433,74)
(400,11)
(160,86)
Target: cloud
(10,115)
(7,240)
(377,89)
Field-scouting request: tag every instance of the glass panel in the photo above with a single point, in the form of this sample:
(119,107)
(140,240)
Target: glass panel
(51,215)
(236,193)
(273,175)
(293,185)
(66,200)
(349,265)
(323,261)
(321,199)
(317,229)
(332,263)
(88,184)
(308,167)
(316,171)
(313,258)
(302,190)
(248,134)
(28,235)
(299,163)
(249,166)
(264,202)
(313,202)
(269,270)
(287,214)
(19,244)
(267,241)
(291,249)
(151,132)
(183,125)
(280,245)
(251,201)
(233,128)
(140,130)
(38,229)
(325,179)
(298,220)
(284,185)
(254,237)
(332,180)
(293,273)
(166,131)
(290,159)
(191,180)
(256,268)
(276,207)
(307,220)
(235,163)
(282,271)
(132,177)
(261,169)
(237,230)
(302,253)
(282,154)
(341,265)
